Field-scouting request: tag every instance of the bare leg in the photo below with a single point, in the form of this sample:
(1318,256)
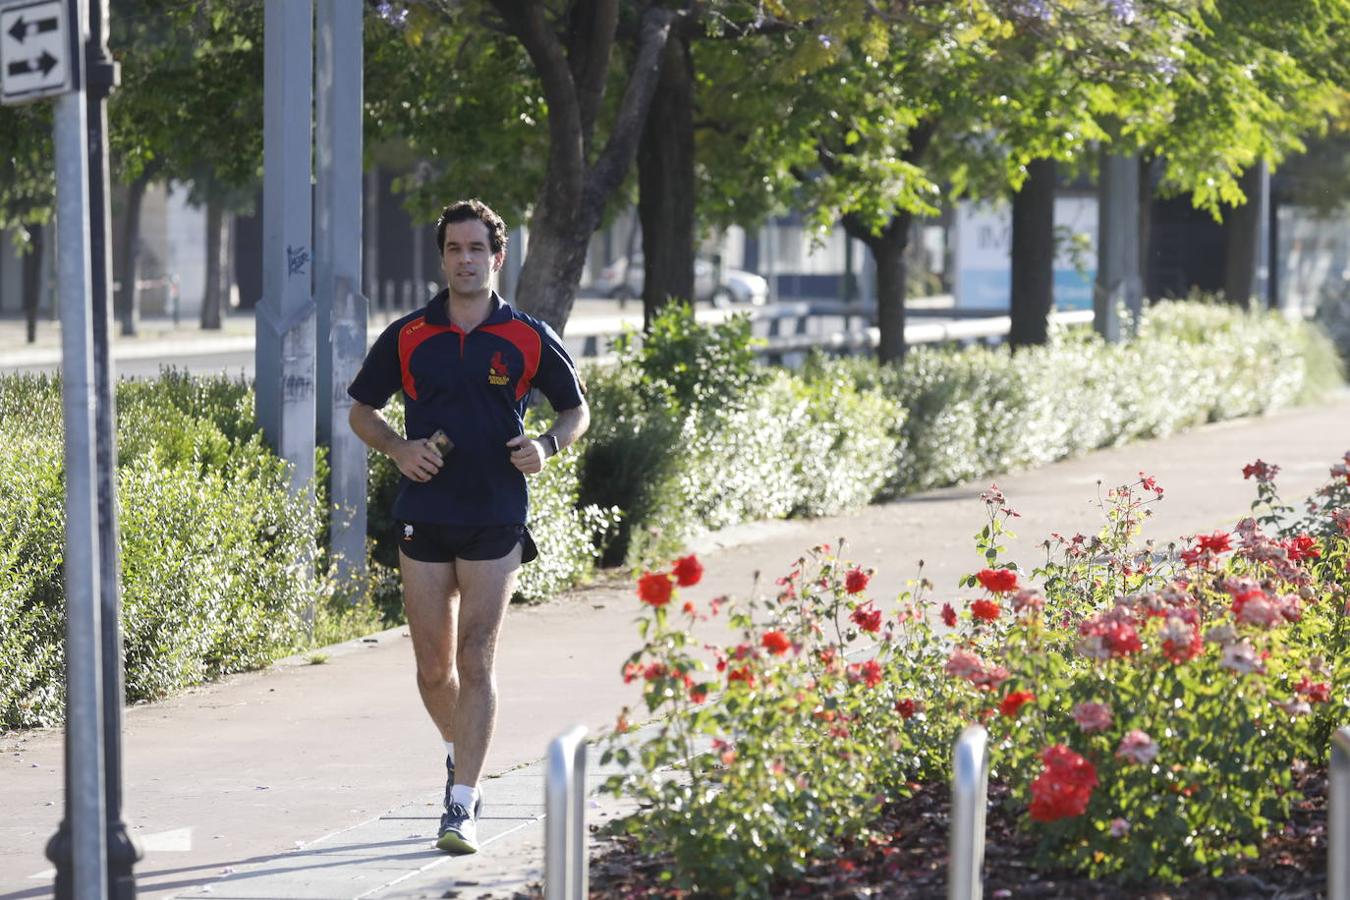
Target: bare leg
(430,598)
(486,586)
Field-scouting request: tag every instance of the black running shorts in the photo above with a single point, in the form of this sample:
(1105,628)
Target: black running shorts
(432,542)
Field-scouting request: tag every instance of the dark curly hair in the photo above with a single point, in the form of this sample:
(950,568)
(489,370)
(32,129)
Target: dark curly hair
(467,211)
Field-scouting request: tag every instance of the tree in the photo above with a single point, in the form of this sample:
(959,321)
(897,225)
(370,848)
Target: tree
(571,66)
(1264,77)
(189,109)
(27,193)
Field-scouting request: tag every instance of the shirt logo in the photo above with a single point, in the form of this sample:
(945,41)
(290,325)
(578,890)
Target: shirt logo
(497,371)
(407,532)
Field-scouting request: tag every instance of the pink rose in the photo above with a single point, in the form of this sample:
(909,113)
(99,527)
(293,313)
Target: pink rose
(1137,747)
(1092,716)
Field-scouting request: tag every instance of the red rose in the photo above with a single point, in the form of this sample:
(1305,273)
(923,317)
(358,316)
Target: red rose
(867,618)
(1064,787)
(1301,548)
(1214,543)
(1262,471)
(741,674)
(1013,703)
(776,642)
(998,581)
(654,671)
(1315,691)
(688,571)
(855,581)
(906,707)
(948,615)
(654,588)
(698,693)
(985,609)
(869,673)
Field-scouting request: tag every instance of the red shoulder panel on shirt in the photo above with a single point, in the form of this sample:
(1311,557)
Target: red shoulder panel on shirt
(409,338)
(530,345)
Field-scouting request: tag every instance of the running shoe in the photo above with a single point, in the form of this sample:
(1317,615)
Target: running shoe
(459,831)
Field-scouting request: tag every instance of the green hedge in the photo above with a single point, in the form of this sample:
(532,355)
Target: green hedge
(689,434)
(213,547)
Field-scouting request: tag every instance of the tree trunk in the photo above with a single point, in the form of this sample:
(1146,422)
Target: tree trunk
(1033,255)
(32,281)
(211,298)
(888,251)
(128,300)
(666,184)
(1242,228)
(575,189)
(889,254)
(552,271)
(1147,164)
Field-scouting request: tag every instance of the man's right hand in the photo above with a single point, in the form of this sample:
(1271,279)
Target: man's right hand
(417,460)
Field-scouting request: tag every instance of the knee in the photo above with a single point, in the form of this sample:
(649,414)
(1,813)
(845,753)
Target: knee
(437,676)
(475,669)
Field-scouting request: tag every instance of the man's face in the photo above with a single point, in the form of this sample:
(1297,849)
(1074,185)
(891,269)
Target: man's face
(467,259)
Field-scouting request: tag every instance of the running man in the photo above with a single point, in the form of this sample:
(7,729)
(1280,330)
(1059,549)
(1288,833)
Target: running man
(466,363)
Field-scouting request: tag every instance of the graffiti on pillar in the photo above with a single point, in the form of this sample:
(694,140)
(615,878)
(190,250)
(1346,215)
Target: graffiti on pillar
(296,259)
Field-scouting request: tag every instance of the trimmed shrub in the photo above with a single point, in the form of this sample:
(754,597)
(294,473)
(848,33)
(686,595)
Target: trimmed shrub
(215,552)
(689,434)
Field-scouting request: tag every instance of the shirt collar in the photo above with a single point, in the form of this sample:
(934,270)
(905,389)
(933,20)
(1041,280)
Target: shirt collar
(438,309)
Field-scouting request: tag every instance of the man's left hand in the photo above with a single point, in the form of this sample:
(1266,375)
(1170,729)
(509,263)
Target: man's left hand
(526,455)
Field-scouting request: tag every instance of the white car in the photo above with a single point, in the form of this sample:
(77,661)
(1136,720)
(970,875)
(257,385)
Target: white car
(623,281)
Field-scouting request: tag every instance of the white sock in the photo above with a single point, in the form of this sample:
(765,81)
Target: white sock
(450,751)
(465,795)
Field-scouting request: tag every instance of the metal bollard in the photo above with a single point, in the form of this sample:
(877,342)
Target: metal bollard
(1338,816)
(970,797)
(565,850)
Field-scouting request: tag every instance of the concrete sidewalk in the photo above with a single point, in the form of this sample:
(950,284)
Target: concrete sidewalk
(324,780)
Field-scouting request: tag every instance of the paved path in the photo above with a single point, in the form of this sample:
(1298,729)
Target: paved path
(321,781)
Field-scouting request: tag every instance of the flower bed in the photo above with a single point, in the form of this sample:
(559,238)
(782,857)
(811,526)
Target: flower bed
(1153,715)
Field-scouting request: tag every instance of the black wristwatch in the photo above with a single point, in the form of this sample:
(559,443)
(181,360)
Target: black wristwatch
(550,442)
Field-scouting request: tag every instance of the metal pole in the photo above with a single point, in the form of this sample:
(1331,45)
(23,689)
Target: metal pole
(565,851)
(1338,817)
(285,334)
(341,327)
(83,870)
(101,77)
(970,786)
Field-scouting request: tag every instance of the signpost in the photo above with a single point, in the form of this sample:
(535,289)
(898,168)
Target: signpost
(37,47)
(58,48)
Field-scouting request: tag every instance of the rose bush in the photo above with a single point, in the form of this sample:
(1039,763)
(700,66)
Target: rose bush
(1150,707)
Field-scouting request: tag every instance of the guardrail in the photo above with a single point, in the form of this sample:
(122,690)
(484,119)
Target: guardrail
(970,793)
(565,850)
(787,328)
(962,330)
(1338,816)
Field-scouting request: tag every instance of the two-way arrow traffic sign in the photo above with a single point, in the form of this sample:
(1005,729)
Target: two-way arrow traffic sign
(44,64)
(19,30)
(35,50)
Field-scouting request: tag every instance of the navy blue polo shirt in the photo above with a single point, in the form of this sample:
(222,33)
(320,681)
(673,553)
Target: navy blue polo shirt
(474,387)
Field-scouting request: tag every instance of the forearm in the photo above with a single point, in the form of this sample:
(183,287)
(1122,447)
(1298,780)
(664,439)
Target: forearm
(371,428)
(570,424)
